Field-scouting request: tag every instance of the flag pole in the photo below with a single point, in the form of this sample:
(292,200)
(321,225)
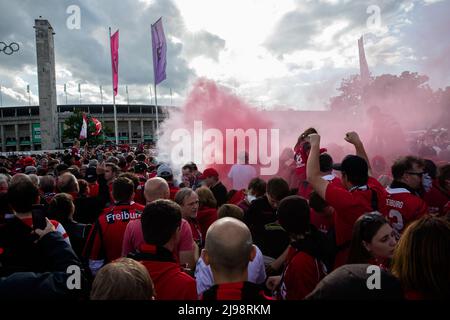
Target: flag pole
(151,96)
(1,97)
(29,99)
(65,92)
(116,131)
(156,106)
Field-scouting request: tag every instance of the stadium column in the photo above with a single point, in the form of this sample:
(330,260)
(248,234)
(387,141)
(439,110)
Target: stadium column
(16,131)
(48,112)
(129,131)
(142,130)
(2,128)
(31,136)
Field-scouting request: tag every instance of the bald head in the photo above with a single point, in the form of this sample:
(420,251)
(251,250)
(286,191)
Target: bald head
(229,248)
(155,189)
(68,183)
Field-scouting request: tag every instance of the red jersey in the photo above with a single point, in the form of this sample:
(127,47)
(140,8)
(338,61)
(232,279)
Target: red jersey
(301,275)
(305,189)
(403,208)
(349,205)
(106,236)
(58,227)
(171,283)
(437,200)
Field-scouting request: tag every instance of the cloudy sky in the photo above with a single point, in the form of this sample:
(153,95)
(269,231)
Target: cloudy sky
(272,53)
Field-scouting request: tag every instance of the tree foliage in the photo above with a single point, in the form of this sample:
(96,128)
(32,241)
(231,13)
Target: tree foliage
(407,95)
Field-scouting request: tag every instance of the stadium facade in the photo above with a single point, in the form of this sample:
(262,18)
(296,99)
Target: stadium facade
(20,127)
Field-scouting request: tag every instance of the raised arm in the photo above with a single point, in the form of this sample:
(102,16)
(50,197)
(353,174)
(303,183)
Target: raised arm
(313,174)
(353,138)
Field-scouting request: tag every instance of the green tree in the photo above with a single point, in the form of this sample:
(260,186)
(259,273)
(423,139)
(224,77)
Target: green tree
(72,128)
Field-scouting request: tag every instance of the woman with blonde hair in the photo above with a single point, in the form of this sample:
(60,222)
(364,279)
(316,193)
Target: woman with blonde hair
(421,260)
(123,279)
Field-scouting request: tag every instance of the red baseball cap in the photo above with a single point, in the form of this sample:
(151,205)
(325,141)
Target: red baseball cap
(210,172)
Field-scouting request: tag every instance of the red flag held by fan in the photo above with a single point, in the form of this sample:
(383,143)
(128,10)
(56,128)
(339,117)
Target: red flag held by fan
(98,126)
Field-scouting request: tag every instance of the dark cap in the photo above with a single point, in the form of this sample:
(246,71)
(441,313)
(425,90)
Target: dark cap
(210,172)
(351,282)
(353,165)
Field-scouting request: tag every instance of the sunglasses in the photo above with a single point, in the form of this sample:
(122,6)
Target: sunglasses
(372,216)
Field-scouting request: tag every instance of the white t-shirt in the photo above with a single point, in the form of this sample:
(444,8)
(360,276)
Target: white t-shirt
(241,174)
(204,277)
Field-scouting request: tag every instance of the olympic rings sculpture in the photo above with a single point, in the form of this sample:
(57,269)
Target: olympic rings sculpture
(9,49)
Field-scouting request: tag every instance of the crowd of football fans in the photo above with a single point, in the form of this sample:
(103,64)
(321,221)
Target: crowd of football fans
(115,223)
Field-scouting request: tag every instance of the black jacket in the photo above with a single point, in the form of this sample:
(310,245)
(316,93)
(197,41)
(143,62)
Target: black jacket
(268,235)
(51,284)
(78,234)
(220,193)
(87,210)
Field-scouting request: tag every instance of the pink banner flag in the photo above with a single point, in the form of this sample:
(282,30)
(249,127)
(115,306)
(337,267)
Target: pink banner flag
(115,60)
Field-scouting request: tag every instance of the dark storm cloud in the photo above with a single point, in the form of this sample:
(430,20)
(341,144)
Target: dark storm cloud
(85,52)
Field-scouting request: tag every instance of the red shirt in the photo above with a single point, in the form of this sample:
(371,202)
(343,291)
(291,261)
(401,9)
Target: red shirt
(93,190)
(171,283)
(237,197)
(195,230)
(349,206)
(305,189)
(301,275)
(206,217)
(173,191)
(322,222)
(106,236)
(437,200)
(139,194)
(403,208)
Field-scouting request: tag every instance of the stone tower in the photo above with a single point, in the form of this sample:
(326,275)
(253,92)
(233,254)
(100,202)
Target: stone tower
(45,52)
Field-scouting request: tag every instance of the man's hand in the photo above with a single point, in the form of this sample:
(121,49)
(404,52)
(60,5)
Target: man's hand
(272,283)
(353,138)
(48,228)
(314,139)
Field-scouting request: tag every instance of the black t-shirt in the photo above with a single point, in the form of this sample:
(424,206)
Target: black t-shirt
(267,234)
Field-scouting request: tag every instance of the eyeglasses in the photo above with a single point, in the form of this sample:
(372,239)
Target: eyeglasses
(419,174)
